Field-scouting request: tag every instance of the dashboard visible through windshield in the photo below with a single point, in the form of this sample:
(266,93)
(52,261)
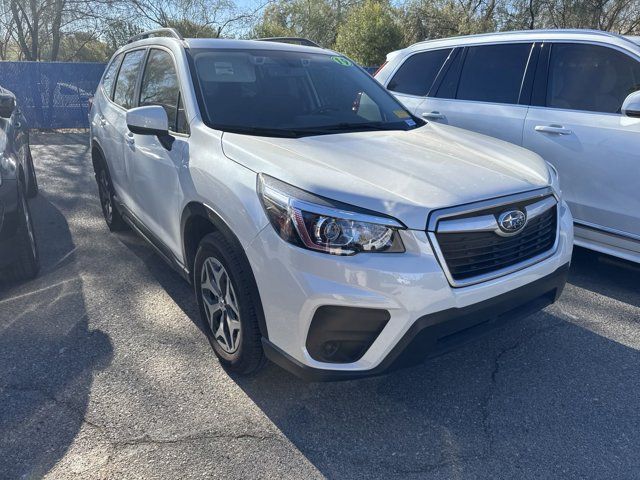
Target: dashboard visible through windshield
(285,93)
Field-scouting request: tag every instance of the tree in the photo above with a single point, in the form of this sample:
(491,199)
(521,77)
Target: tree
(426,19)
(83,47)
(369,33)
(37,27)
(313,19)
(214,18)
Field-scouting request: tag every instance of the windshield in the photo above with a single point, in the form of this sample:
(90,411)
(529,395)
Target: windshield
(285,93)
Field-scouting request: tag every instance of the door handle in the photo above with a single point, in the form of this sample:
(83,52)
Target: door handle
(433,116)
(555,129)
(103,121)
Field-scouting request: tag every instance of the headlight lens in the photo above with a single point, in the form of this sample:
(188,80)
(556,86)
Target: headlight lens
(316,223)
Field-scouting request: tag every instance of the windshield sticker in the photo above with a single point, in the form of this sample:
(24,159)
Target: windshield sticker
(401,114)
(224,68)
(411,123)
(342,61)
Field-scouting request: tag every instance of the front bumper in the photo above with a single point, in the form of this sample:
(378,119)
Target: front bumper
(438,332)
(425,312)
(8,220)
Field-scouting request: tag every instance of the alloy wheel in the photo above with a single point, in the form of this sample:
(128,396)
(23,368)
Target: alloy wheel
(220,305)
(105,196)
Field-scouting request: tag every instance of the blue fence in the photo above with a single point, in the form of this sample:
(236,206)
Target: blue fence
(52,94)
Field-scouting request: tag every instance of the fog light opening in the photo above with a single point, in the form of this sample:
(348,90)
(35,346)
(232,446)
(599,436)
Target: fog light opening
(329,349)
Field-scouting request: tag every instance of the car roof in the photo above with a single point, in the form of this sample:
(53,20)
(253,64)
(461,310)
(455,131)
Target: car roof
(527,35)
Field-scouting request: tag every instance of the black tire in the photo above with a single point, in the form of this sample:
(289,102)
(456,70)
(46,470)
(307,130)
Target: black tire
(27,263)
(249,355)
(110,211)
(32,189)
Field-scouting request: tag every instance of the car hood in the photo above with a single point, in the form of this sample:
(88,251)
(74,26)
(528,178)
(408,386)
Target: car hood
(405,174)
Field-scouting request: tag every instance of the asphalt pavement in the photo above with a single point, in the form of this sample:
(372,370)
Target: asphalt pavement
(105,373)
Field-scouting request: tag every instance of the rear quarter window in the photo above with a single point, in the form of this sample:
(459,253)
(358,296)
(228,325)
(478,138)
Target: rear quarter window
(418,72)
(110,76)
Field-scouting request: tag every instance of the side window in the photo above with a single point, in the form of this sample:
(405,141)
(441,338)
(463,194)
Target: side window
(160,87)
(110,75)
(590,77)
(416,75)
(493,73)
(449,84)
(125,91)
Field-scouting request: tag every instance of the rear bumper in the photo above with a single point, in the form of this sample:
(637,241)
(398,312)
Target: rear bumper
(440,331)
(8,220)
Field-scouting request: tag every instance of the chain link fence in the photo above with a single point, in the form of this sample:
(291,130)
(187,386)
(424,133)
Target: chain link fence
(52,94)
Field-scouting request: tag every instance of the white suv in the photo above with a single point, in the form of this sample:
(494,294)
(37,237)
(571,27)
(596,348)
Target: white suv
(320,223)
(571,96)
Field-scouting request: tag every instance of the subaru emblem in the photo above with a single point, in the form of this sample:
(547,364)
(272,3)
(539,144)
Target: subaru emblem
(512,221)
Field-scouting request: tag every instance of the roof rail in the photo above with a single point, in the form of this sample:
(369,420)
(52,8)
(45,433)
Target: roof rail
(534,31)
(158,32)
(295,40)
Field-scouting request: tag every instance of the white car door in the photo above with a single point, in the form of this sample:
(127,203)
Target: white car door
(156,166)
(481,91)
(577,126)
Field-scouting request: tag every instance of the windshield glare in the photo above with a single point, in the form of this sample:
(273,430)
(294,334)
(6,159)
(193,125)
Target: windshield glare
(273,92)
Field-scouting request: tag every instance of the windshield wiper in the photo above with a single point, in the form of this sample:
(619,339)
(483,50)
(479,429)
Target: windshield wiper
(348,127)
(258,131)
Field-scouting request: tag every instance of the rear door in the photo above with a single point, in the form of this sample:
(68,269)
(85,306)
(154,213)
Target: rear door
(124,98)
(576,124)
(483,90)
(101,128)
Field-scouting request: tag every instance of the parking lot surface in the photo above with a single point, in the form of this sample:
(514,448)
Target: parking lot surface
(105,373)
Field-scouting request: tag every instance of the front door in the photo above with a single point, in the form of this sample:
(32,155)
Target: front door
(157,167)
(581,131)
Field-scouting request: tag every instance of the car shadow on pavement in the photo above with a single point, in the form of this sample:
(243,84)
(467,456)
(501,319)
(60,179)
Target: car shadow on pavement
(606,275)
(48,355)
(176,287)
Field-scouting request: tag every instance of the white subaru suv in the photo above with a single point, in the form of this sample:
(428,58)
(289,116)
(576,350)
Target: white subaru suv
(322,225)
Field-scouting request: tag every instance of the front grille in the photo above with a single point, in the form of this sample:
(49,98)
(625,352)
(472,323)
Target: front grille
(473,254)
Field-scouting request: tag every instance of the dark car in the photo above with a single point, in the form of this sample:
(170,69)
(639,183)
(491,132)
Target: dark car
(18,249)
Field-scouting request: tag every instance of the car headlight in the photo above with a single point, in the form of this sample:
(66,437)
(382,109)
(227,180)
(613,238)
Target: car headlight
(324,225)
(555,178)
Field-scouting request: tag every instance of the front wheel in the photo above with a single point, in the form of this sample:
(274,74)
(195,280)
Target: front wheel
(227,308)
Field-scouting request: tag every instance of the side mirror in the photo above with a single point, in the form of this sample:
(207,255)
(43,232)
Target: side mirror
(7,104)
(150,120)
(631,105)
